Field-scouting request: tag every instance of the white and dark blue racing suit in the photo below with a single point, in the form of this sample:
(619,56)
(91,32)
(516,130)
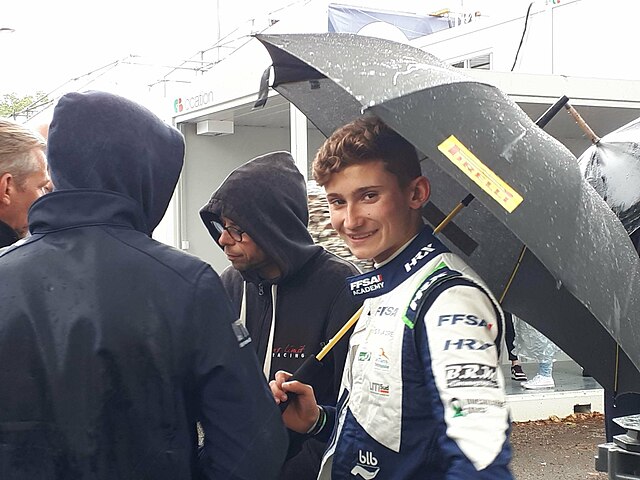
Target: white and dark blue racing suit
(422,393)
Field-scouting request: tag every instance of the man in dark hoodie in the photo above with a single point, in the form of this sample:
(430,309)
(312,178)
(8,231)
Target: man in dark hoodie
(112,345)
(290,293)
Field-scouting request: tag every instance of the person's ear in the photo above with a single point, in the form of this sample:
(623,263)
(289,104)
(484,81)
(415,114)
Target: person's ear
(6,187)
(420,190)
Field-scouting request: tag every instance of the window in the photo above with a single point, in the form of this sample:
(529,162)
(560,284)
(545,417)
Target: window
(483,62)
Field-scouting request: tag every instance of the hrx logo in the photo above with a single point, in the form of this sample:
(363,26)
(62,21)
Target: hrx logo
(466,344)
(424,252)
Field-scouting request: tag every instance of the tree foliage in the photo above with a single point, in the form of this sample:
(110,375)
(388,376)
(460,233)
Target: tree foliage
(13,106)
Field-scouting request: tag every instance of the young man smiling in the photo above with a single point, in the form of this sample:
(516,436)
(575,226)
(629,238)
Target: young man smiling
(422,394)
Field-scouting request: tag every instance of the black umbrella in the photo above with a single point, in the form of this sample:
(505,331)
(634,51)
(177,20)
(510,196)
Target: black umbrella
(529,187)
(612,167)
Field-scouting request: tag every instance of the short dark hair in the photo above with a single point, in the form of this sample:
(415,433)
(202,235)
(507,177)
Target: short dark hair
(363,140)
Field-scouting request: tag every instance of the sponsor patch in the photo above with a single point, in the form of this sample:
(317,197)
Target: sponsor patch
(381,361)
(422,253)
(366,466)
(463,319)
(381,332)
(466,344)
(480,174)
(364,356)
(386,311)
(379,388)
(440,274)
(465,406)
(289,351)
(471,375)
(367,285)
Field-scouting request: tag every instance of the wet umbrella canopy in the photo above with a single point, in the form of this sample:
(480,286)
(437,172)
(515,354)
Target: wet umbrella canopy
(612,167)
(530,190)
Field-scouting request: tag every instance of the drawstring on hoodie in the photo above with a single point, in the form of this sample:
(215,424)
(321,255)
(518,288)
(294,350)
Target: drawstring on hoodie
(243,307)
(269,355)
(266,367)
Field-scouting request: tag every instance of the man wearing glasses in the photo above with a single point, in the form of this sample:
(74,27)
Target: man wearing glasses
(290,293)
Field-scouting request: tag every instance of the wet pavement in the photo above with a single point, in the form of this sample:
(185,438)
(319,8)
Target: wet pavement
(558,449)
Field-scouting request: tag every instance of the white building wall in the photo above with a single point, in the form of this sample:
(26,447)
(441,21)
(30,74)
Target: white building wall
(596,39)
(586,38)
(500,38)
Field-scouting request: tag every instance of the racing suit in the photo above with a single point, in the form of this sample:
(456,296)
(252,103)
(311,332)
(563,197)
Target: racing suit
(422,394)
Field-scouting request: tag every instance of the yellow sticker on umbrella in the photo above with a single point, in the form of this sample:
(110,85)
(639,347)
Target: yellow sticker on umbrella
(482,175)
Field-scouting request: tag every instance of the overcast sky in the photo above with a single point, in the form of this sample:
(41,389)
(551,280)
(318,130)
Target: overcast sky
(55,41)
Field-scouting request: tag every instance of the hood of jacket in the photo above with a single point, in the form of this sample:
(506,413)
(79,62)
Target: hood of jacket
(100,141)
(267,198)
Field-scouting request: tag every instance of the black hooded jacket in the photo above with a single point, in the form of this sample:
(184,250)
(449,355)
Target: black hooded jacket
(113,345)
(267,198)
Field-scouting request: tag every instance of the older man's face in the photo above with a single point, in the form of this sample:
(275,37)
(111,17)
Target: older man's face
(25,193)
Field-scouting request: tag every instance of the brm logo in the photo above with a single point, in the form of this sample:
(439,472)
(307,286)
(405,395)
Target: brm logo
(366,467)
(366,285)
(471,320)
(471,375)
(466,344)
(424,252)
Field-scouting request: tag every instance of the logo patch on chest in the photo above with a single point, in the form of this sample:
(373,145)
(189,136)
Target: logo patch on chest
(290,351)
(466,375)
(381,361)
(379,388)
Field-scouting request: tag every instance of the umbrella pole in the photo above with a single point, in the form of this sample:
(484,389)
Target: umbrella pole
(615,376)
(465,201)
(340,333)
(582,124)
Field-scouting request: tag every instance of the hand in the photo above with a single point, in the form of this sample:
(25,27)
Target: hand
(302,412)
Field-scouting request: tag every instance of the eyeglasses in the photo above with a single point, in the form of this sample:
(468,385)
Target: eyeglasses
(234,232)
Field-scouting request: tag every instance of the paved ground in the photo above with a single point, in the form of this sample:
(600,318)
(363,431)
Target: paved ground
(555,449)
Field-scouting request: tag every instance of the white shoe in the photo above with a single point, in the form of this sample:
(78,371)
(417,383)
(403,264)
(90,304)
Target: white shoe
(539,382)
